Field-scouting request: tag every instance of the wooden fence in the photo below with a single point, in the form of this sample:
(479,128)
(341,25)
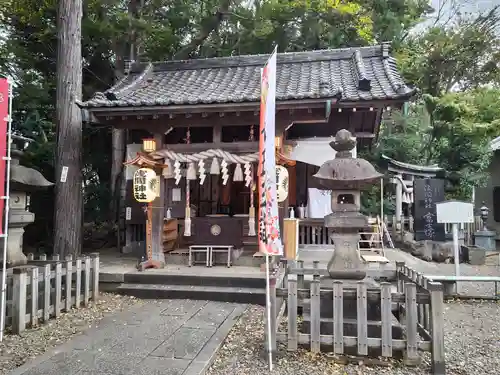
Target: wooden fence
(313,232)
(365,320)
(42,289)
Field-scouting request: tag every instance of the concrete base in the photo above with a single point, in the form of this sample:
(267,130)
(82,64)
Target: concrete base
(477,255)
(485,239)
(346,262)
(15,255)
(150,264)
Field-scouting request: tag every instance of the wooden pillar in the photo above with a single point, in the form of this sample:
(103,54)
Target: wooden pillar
(292,185)
(290,236)
(282,213)
(158,215)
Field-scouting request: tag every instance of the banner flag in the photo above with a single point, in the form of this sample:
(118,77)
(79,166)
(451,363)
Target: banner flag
(4,115)
(269,227)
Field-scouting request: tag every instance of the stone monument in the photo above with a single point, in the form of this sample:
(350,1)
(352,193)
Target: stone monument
(23,181)
(346,176)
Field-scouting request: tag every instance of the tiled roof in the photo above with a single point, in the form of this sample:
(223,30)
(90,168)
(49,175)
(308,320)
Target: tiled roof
(348,74)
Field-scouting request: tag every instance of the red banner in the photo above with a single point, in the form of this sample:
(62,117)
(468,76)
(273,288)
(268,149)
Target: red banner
(4,114)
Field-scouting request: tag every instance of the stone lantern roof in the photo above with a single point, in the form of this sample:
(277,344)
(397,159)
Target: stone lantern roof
(22,178)
(345,172)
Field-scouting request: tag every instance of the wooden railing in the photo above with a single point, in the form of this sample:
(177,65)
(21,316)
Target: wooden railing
(384,322)
(313,232)
(43,288)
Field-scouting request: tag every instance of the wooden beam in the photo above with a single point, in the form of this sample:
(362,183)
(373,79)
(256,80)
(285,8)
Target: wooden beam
(378,120)
(359,135)
(218,107)
(236,147)
(161,123)
(217,134)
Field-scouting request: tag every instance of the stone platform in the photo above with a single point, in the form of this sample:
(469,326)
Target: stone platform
(238,284)
(170,338)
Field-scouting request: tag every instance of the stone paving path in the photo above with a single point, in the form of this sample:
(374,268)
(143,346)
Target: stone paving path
(171,337)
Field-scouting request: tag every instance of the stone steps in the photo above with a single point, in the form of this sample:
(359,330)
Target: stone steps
(198,276)
(195,292)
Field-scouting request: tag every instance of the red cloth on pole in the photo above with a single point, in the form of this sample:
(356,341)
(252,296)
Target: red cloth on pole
(4,113)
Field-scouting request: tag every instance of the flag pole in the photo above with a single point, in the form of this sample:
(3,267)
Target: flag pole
(268,312)
(6,221)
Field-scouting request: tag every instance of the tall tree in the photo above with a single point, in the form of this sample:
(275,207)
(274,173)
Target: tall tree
(118,137)
(68,226)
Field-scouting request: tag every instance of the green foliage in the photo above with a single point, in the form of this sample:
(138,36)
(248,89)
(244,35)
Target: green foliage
(462,56)
(452,131)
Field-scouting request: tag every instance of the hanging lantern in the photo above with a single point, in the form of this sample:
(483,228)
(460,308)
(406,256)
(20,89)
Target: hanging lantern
(149,144)
(281,183)
(146,185)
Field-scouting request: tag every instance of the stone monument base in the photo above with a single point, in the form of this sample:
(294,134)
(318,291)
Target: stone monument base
(485,239)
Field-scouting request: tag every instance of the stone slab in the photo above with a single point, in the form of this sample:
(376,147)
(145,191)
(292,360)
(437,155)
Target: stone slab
(161,330)
(113,275)
(211,315)
(186,343)
(183,307)
(71,362)
(157,344)
(135,347)
(206,357)
(115,363)
(160,366)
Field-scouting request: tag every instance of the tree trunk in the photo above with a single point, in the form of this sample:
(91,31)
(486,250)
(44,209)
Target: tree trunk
(119,138)
(68,226)
(117,176)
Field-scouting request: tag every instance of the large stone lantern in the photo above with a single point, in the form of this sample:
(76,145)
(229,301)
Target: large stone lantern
(23,181)
(346,176)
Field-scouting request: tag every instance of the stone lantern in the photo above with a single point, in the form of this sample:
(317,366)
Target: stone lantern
(346,176)
(23,181)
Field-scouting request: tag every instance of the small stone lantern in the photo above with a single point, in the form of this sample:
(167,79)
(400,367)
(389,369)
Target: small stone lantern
(484,211)
(346,176)
(485,238)
(23,181)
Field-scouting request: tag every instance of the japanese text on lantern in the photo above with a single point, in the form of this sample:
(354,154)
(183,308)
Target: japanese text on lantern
(140,187)
(429,225)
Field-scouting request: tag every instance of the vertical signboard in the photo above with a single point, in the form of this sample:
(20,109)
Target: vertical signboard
(4,114)
(428,192)
(269,227)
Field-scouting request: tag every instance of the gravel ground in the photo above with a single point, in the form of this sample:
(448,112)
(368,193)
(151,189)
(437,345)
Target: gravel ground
(474,289)
(472,339)
(472,347)
(18,349)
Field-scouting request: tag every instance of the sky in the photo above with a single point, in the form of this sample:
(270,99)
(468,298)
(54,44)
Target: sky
(465,6)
